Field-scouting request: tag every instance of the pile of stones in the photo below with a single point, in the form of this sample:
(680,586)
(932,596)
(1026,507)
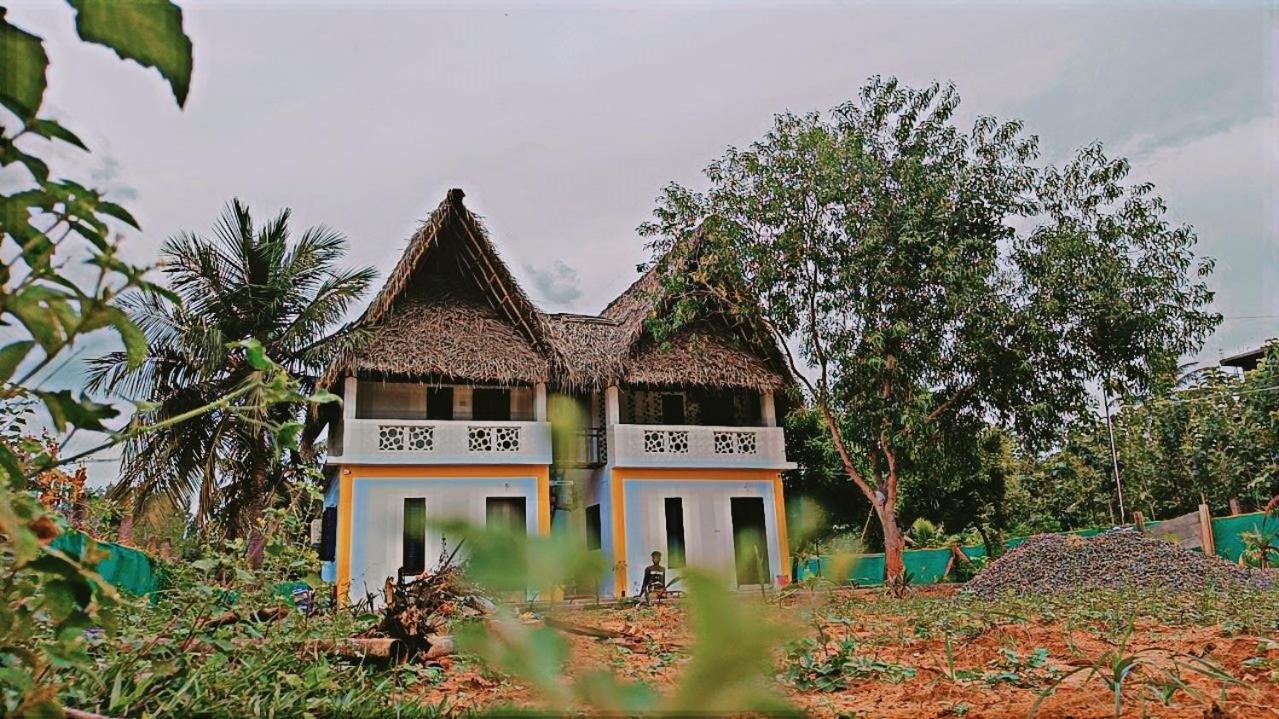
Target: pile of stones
(1052,564)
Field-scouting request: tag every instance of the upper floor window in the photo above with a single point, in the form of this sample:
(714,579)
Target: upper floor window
(390,400)
(439,403)
(673,409)
(491,404)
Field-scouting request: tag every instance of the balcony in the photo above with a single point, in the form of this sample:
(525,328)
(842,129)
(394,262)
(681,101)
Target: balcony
(640,445)
(410,441)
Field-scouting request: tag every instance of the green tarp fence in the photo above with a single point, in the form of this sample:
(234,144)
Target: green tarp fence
(124,568)
(133,571)
(1227,532)
(928,566)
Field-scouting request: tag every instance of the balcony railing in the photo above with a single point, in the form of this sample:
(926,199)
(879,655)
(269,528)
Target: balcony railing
(638,445)
(407,441)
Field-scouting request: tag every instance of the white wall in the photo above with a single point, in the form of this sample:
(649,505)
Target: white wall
(378,519)
(708,525)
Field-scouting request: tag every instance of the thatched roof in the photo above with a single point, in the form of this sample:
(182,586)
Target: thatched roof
(446,329)
(452,309)
(590,352)
(452,243)
(706,355)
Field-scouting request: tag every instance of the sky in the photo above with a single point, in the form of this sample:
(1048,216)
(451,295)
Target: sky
(563,122)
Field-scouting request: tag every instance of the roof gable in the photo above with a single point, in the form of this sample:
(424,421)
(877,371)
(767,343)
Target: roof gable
(420,292)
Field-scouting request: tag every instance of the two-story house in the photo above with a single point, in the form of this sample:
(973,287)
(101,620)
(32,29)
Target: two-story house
(445,416)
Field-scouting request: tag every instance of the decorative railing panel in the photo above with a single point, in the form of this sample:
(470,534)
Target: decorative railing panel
(393,441)
(696,446)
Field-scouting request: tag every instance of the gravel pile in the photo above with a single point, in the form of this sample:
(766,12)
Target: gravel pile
(1060,564)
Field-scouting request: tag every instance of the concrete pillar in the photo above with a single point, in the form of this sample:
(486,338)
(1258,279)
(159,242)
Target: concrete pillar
(767,410)
(612,406)
(348,397)
(539,402)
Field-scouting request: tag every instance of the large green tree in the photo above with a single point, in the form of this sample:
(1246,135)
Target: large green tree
(287,297)
(920,275)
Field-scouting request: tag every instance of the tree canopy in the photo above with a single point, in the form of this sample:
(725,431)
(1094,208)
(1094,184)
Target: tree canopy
(245,283)
(926,279)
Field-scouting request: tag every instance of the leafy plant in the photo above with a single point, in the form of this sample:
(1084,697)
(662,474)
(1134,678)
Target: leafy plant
(811,665)
(1261,546)
(924,533)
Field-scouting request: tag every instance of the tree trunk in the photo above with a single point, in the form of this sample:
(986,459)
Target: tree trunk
(894,544)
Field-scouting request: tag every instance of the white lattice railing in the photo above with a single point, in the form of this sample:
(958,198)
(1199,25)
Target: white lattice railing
(693,446)
(443,442)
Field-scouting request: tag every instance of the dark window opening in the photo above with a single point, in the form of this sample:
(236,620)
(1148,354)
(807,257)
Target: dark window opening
(750,543)
(672,409)
(675,556)
(717,409)
(414,555)
(328,534)
(754,411)
(491,404)
(593,532)
(507,513)
(439,403)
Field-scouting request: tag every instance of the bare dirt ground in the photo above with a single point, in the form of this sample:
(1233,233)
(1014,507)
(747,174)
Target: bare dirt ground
(935,656)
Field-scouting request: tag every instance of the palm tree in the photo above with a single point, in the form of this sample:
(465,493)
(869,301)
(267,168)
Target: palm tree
(236,285)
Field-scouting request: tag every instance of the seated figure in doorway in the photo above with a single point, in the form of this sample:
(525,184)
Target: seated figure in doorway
(654,584)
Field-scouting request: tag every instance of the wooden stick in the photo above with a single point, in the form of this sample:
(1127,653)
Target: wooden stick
(81,714)
(384,648)
(440,645)
(262,615)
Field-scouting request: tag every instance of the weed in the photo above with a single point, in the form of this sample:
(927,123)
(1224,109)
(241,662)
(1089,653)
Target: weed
(1117,665)
(811,666)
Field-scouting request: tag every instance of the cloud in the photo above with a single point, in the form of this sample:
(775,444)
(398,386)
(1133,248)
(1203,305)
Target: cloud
(557,284)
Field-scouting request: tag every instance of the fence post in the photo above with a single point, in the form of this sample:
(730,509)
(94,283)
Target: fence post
(1236,507)
(1139,520)
(1205,530)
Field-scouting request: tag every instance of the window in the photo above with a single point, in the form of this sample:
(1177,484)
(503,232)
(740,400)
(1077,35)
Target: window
(593,532)
(390,400)
(717,408)
(491,404)
(439,403)
(506,513)
(672,409)
(414,555)
(522,404)
(328,534)
(675,554)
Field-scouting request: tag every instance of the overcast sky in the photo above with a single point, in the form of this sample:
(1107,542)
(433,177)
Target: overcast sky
(563,123)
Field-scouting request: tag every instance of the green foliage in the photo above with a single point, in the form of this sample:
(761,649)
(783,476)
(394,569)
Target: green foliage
(932,277)
(148,32)
(165,660)
(241,305)
(48,599)
(925,534)
(23,57)
(1214,438)
(812,666)
(1261,547)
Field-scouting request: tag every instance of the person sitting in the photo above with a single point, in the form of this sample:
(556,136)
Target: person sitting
(654,583)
